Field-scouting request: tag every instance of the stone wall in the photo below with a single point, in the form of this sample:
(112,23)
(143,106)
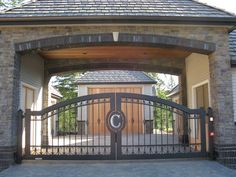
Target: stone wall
(220,73)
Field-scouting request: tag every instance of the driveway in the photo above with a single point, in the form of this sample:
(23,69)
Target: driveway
(161,168)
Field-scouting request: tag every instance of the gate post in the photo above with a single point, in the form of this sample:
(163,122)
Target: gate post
(20,116)
(27,131)
(118,134)
(203,130)
(113,135)
(211,133)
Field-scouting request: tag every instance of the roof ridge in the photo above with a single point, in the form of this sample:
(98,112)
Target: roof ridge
(148,75)
(214,7)
(115,76)
(21,4)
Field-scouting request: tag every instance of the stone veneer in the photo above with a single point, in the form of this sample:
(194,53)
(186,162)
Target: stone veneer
(220,73)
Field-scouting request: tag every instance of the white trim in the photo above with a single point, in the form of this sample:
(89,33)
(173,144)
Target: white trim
(194,92)
(23,84)
(28,85)
(194,98)
(115,36)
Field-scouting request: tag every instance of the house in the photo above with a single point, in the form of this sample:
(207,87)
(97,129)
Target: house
(55,98)
(116,81)
(200,99)
(184,38)
(30,97)
(174,94)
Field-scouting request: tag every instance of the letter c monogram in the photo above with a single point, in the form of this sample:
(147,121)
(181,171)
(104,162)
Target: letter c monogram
(115,121)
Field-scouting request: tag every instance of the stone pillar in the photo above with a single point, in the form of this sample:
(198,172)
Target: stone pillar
(183,100)
(221,93)
(45,132)
(9,103)
(183,87)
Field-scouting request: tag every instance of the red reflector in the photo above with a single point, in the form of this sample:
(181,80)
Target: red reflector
(212,133)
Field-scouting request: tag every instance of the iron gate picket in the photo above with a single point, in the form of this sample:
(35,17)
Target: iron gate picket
(114,126)
(170,130)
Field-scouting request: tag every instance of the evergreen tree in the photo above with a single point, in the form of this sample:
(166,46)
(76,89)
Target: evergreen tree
(67,86)
(9,3)
(162,114)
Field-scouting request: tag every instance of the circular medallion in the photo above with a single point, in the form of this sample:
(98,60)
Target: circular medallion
(115,121)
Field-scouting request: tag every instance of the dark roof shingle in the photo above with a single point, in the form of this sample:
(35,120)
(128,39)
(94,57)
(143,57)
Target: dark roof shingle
(115,77)
(232,45)
(73,8)
(175,90)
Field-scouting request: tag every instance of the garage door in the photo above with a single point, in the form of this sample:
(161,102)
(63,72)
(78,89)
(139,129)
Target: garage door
(134,121)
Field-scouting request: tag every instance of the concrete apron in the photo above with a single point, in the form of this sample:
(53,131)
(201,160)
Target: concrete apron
(132,168)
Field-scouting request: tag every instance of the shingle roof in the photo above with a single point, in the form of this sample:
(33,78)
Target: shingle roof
(115,77)
(232,45)
(75,8)
(55,92)
(175,90)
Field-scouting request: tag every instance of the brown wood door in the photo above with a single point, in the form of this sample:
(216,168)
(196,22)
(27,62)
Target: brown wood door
(97,112)
(133,113)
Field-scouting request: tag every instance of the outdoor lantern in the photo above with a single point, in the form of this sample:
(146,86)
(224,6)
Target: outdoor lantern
(211,119)
(212,134)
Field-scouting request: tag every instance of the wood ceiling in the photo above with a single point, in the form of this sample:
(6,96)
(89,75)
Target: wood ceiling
(115,52)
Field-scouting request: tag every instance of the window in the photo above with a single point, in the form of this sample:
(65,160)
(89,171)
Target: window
(28,97)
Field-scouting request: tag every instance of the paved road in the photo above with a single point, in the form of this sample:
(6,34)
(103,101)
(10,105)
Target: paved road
(165,168)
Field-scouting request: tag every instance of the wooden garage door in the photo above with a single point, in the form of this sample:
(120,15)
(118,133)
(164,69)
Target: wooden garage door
(133,113)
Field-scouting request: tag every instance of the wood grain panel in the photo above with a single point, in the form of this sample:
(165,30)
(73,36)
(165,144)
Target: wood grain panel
(97,112)
(118,52)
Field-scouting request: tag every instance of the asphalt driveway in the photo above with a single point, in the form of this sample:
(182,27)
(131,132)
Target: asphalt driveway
(165,168)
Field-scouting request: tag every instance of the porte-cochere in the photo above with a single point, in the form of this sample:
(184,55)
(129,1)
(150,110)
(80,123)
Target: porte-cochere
(183,38)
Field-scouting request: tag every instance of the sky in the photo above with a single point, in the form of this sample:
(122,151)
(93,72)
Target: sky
(229,5)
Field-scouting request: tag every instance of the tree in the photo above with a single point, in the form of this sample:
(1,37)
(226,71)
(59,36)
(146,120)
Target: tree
(67,86)
(160,86)
(162,113)
(9,3)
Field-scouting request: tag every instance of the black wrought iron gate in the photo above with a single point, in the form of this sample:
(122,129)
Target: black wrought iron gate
(114,126)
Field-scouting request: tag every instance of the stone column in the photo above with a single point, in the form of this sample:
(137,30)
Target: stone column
(9,103)
(221,93)
(45,132)
(183,87)
(183,100)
